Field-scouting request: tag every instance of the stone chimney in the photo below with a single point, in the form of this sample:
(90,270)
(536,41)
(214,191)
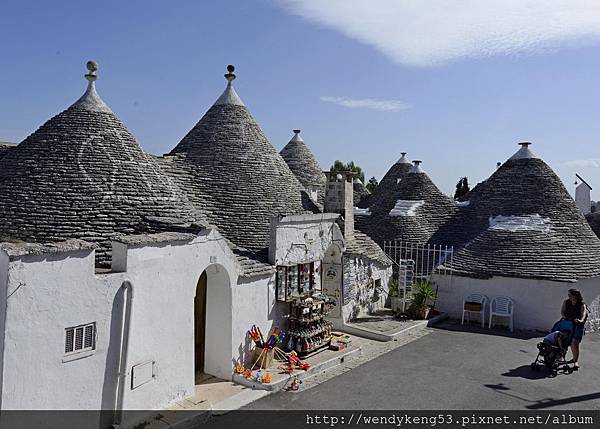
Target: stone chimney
(339,198)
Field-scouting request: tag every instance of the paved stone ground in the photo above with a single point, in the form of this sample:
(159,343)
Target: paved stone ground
(449,367)
(383,321)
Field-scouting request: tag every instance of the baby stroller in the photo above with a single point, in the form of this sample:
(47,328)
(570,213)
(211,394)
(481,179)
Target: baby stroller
(553,356)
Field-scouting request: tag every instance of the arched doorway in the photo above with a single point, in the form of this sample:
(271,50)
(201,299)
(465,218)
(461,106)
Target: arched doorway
(213,348)
(199,327)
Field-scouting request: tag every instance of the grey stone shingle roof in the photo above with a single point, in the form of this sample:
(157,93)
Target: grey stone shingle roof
(524,186)
(432,209)
(360,193)
(226,164)
(82,175)
(594,222)
(362,245)
(388,183)
(5,147)
(303,163)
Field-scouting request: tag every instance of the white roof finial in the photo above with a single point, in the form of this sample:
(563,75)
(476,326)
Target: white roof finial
(403,159)
(230,76)
(90,100)
(92,67)
(524,152)
(417,167)
(229,96)
(296,137)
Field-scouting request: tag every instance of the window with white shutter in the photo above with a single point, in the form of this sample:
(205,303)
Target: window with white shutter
(80,338)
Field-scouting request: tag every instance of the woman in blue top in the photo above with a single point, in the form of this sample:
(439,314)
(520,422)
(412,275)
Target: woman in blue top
(574,309)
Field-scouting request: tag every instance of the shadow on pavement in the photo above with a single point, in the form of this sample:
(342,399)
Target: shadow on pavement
(547,403)
(474,327)
(525,371)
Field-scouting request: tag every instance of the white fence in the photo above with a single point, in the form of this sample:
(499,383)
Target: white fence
(416,261)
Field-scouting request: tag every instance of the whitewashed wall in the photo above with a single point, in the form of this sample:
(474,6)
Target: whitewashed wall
(165,280)
(48,294)
(537,303)
(256,306)
(3,295)
(302,238)
(52,292)
(360,275)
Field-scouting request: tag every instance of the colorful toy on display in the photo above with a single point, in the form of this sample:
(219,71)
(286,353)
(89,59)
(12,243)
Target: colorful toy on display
(293,363)
(295,384)
(276,337)
(248,374)
(239,369)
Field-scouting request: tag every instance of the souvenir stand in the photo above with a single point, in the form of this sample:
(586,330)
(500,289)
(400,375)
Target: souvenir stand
(308,330)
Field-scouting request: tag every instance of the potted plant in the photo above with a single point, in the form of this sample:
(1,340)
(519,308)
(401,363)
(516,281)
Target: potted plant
(395,295)
(423,294)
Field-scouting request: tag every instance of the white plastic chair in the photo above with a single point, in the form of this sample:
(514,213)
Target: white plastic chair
(502,306)
(479,298)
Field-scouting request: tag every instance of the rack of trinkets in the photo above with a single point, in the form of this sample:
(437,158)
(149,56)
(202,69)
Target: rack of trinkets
(308,330)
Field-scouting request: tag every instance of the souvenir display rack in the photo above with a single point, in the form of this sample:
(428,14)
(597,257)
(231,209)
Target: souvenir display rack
(308,330)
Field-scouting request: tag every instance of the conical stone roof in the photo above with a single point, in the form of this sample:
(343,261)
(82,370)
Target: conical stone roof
(389,182)
(412,210)
(5,147)
(226,164)
(303,163)
(83,175)
(522,222)
(361,192)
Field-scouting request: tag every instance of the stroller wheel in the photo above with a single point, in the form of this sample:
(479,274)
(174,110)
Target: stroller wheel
(553,373)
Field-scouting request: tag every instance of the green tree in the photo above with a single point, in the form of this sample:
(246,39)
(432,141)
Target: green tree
(372,184)
(462,188)
(351,166)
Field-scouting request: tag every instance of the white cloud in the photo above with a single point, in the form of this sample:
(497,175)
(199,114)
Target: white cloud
(432,32)
(584,163)
(367,103)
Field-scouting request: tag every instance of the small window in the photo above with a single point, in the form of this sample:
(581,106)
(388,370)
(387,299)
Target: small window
(80,338)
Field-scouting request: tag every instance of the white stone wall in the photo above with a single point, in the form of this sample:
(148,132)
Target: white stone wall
(52,292)
(583,198)
(360,275)
(302,238)
(3,295)
(537,303)
(48,294)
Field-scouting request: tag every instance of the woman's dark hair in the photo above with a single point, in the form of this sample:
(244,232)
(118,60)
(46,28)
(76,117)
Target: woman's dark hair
(577,294)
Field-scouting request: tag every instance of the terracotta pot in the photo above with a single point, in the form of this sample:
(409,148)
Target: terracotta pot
(422,313)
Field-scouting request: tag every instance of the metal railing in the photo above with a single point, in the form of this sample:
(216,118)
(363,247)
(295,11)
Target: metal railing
(417,261)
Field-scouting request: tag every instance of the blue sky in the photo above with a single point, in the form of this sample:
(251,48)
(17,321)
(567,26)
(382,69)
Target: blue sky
(453,85)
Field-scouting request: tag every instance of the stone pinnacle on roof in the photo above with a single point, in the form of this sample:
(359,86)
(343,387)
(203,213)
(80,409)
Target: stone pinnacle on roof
(524,152)
(303,163)
(82,175)
(226,164)
(403,159)
(524,190)
(416,167)
(389,182)
(229,96)
(90,100)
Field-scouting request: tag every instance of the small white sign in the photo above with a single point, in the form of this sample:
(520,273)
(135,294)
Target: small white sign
(141,374)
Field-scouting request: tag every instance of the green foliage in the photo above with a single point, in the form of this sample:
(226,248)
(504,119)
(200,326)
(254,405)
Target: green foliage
(394,290)
(372,184)
(351,166)
(423,294)
(462,188)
